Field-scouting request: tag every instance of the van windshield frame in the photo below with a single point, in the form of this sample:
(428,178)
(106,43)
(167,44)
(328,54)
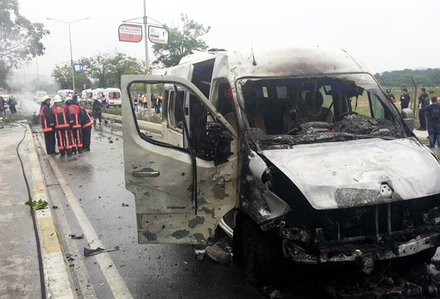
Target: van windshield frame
(342,99)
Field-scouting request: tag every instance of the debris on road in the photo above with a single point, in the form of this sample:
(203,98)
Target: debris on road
(90,252)
(221,251)
(200,254)
(37,205)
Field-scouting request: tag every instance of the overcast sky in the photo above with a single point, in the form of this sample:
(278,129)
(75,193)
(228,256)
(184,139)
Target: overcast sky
(385,34)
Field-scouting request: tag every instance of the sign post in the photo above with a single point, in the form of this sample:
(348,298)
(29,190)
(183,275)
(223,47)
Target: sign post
(130,33)
(158,35)
(133,33)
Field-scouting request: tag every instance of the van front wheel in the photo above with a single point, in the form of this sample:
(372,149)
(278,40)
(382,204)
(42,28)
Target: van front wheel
(260,261)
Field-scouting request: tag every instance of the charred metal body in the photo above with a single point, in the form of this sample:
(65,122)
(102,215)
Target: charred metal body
(295,153)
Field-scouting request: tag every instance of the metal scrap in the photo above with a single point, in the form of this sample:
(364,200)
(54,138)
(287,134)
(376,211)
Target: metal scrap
(90,252)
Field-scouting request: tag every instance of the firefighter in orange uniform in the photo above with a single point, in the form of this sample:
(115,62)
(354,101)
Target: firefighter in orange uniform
(62,126)
(86,125)
(75,123)
(47,121)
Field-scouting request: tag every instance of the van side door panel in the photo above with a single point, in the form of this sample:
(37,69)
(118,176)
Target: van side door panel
(161,178)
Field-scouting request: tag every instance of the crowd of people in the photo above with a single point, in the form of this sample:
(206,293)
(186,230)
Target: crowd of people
(142,101)
(66,122)
(11,101)
(429,112)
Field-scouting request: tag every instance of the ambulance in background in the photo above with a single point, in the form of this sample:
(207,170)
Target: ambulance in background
(113,97)
(86,96)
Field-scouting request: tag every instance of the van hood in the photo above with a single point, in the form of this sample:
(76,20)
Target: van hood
(360,172)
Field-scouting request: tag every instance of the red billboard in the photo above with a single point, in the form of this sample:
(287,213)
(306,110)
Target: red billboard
(130,33)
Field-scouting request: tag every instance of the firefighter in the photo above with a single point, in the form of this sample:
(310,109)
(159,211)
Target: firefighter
(62,126)
(75,124)
(97,111)
(47,121)
(86,125)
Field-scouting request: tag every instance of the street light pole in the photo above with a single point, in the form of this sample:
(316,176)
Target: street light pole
(71,61)
(70,43)
(147,63)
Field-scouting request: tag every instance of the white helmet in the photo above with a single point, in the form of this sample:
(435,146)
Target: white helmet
(44,99)
(57,99)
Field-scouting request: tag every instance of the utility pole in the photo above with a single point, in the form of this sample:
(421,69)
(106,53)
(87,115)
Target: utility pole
(70,42)
(147,63)
(71,61)
(38,74)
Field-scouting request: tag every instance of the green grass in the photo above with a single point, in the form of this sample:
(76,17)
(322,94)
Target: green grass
(142,114)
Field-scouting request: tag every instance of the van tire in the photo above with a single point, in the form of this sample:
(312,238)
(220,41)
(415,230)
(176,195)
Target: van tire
(260,260)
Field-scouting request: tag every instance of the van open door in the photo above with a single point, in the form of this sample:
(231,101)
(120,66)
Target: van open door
(180,193)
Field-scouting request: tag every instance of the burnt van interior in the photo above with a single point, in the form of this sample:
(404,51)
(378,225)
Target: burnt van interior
(313,106)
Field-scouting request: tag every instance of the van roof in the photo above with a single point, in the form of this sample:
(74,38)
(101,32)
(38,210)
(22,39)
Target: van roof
(282,62)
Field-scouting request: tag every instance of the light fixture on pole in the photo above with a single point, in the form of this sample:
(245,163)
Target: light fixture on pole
(70,42)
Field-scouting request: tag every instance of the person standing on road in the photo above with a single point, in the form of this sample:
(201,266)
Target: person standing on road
(12,102)
(47,121)
(97,111)
(432,113)
(424,102)
(390,95)
(86,128)
(62,126)
(75,123)
(2,105)
(404,99)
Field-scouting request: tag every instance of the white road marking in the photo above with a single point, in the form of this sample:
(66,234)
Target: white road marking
(114,279)
(56,274)
(86,288)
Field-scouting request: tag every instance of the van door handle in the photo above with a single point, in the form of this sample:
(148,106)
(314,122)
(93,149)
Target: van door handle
(145,174)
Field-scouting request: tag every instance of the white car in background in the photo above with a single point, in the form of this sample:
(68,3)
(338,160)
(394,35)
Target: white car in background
(39,96)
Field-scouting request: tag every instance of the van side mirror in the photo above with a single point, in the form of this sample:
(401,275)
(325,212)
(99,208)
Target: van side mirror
(216,143)
(408,118)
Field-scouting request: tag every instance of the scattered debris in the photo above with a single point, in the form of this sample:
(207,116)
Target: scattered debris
(37,205)
(77,237)
(221,251)
(200,254)
(69,257)
(90,252)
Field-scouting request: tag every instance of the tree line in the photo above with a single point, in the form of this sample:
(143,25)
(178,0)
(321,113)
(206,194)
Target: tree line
(426,77)
(101,70)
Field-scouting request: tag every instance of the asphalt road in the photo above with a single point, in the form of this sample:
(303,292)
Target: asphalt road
(149,271)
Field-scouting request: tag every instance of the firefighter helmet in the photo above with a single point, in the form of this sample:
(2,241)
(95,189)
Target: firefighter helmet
(57,99)
(44,99)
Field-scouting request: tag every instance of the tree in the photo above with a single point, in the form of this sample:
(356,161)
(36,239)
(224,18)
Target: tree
(106,69)
(181,42)
(63,76)
(96,68)
(120,64)
(20,39)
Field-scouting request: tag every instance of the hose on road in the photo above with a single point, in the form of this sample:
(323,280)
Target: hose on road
(34,220)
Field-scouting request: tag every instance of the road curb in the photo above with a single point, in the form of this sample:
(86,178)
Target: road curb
(57,276)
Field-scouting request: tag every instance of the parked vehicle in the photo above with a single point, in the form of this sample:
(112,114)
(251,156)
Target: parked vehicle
(113,97)
(295,153)
(63,93)
(86,96)
(98,93)
(39,96)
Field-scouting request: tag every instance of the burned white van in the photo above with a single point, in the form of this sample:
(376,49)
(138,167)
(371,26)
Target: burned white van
(295,153)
